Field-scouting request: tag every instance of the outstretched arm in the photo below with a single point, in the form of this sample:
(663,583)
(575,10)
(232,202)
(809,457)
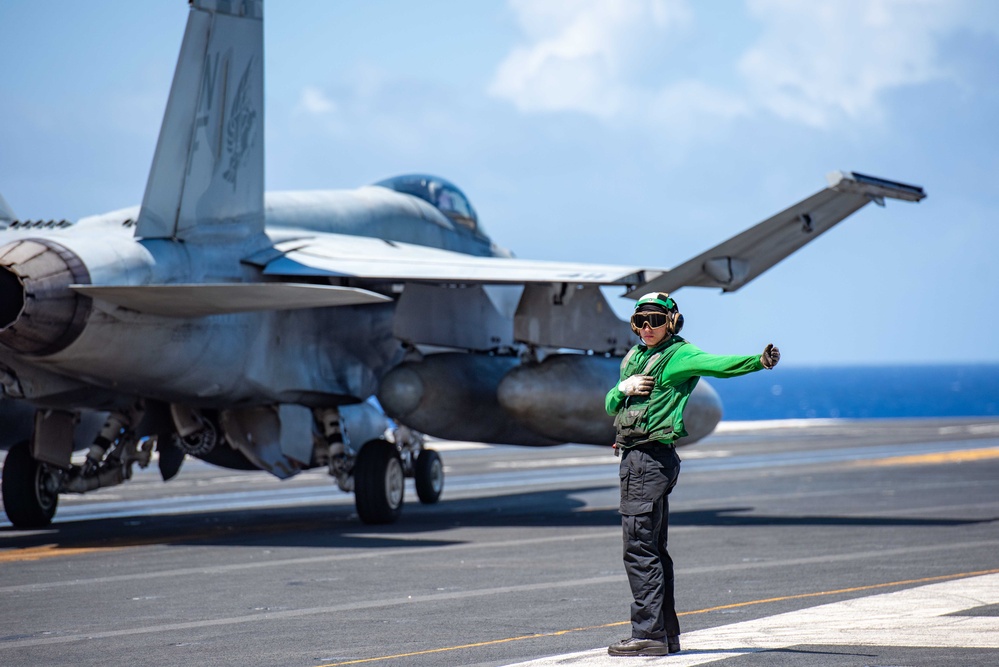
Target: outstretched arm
(689,361)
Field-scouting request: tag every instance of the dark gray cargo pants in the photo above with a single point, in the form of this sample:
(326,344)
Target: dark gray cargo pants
(647,477)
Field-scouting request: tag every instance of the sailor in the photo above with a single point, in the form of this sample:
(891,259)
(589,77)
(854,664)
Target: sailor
(657,378)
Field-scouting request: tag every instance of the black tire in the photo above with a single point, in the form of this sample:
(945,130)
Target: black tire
(429,476)
(171,457)
(379,483)
(29,496)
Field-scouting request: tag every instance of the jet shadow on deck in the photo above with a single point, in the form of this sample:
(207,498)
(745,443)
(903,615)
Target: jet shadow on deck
(334,527)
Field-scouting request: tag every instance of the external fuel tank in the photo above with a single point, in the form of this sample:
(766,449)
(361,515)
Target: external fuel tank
(497,399)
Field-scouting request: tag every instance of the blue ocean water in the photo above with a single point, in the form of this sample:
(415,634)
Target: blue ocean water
(862,392)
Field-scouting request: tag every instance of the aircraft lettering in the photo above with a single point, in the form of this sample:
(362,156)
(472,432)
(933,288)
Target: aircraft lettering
(240,130)
(208,77)
(209,74)
(224,85)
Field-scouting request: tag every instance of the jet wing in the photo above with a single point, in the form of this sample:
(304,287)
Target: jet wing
(199,300)
(344,256)
(740,259)
(728,266)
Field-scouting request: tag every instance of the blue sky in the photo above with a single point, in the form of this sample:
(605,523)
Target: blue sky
(639,132)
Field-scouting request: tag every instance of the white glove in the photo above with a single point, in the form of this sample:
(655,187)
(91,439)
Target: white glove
(636,385)
(770,356)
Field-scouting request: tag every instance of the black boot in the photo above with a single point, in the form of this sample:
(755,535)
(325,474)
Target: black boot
(638,646)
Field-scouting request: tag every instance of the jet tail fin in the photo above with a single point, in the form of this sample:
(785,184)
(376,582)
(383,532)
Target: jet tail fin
(207,177)
(7,214)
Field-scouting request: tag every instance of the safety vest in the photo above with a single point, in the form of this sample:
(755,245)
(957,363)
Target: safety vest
(631,421)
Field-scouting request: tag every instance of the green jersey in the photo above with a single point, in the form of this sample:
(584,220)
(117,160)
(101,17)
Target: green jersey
(676,371)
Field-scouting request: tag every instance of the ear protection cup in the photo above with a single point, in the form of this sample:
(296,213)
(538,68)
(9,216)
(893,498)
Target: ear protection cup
(677,322)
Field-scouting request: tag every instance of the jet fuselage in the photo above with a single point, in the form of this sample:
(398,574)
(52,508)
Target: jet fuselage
(310,357)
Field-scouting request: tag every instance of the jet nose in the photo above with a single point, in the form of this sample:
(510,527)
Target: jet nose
(39,314)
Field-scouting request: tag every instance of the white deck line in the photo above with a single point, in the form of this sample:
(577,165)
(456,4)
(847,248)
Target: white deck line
(923,617)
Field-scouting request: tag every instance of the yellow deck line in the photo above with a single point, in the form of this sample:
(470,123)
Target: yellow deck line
(49,551)
(959,456)
(55,551)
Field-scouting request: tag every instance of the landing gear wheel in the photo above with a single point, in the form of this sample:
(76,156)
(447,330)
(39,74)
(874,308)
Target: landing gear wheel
(30,489)
(429,476)
(379,483)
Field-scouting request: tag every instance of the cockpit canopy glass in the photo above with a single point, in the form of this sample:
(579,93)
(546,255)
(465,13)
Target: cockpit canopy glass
(445,196)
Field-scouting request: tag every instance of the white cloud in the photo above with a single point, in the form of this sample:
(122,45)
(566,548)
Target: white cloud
(582,53)
(315,102)
(819,61)
(686,102)
(368,105)
(813,63)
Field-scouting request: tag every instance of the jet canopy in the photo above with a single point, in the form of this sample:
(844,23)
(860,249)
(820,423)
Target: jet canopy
(442,194)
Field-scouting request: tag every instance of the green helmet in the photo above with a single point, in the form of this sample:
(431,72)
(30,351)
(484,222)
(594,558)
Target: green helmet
(658,299)
(662,302)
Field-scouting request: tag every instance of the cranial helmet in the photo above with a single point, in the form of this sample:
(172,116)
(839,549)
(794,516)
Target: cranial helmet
(659,302)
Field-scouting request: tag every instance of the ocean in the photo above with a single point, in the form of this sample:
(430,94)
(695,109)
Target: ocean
(862,392)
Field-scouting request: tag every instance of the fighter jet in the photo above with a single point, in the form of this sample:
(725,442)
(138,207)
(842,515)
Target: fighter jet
(293,330)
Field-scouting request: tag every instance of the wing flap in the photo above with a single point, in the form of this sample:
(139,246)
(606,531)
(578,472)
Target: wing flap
(200,300)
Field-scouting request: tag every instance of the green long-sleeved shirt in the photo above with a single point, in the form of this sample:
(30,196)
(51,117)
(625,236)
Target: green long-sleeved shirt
(676,373)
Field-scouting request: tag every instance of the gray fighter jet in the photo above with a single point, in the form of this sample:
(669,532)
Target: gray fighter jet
(255,330)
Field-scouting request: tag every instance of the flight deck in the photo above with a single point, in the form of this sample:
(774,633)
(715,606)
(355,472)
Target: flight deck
(795,543)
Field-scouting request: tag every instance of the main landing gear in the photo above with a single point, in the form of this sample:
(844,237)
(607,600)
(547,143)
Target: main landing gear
(34,476)
(377,473)
(30,488)
(379,479)
(36,472)
(379,484)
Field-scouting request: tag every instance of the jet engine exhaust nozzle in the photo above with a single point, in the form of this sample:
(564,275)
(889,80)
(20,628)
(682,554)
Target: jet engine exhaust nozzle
(39,313)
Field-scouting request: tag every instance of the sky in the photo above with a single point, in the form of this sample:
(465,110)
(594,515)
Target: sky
(638,132)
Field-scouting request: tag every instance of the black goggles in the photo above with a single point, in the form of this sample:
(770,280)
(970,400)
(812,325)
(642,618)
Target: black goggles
(654,320)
